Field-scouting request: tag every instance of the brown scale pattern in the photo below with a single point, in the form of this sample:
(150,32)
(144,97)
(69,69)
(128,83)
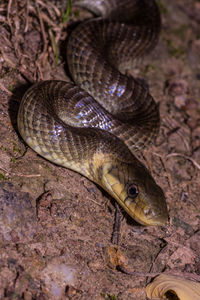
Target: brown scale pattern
(62,122)
(105,47)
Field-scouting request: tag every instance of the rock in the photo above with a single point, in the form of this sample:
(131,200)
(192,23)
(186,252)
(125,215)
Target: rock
(18,222)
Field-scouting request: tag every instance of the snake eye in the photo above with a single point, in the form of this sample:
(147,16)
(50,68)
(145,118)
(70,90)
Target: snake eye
(132,191)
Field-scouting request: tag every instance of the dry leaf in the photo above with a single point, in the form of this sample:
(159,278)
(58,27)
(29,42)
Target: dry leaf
(167,286)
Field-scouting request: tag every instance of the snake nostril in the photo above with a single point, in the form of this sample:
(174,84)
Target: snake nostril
(148,211)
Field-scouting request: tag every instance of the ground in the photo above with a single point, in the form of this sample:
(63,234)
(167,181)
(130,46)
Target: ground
(55,225)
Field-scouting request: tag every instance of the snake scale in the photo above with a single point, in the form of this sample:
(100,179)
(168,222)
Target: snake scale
(98,138)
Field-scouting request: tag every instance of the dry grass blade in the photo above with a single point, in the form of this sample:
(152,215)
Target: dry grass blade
(186,157)
(43,56)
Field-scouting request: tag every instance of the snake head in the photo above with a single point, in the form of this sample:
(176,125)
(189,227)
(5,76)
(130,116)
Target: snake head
(136,191)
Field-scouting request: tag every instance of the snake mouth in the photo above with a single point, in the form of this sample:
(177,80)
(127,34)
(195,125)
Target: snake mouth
(137,208)
(145,203)
(159,221)
(143,214)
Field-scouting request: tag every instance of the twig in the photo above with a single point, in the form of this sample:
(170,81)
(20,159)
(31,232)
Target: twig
(174,127)
(186,157)
(155,259)
(95,202)
(165,168)
(126,271)
(27,16)
(7,173)
(27,175)
(117,225)
(184,275)
(49,4)
(8,13)
(3,88)
(49,21)
(6,58)
(43,32)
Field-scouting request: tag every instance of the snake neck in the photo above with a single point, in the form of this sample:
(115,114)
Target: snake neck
(131,185)
(144,11)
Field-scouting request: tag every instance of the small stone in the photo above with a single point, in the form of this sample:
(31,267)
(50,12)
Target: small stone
(180,101)
(70,291)
(57,275)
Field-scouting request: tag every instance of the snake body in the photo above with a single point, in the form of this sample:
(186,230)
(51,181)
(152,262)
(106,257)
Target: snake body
(97,138)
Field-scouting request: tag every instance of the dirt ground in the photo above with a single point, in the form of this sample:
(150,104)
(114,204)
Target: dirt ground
(55,225)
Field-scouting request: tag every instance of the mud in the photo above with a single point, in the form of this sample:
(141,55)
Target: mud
(55,225)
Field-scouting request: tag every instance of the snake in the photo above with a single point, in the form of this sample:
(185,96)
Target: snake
(96,122)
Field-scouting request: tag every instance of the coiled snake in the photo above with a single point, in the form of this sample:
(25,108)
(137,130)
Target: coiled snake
(63,123)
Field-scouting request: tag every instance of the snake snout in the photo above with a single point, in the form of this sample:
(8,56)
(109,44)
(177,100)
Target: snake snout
(145,212)
(137,192)
(155,217)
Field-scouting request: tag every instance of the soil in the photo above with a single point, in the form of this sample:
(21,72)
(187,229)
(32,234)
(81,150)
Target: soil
(55,225)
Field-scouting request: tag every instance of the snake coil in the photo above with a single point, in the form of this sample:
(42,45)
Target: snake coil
(97,138)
